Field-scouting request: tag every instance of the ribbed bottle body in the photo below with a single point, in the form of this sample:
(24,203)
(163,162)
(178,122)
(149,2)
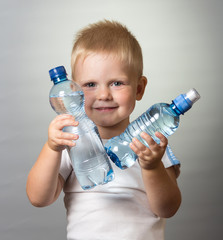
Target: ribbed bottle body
(161,117)
(88,157)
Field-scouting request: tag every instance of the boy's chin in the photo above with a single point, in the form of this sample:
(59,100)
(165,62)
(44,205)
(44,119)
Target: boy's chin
(105,124)
(109,123)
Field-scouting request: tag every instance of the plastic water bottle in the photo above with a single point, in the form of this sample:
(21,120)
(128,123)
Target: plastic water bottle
(161,117)
(89,158)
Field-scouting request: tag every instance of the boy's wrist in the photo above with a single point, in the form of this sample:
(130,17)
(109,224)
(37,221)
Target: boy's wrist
(152,167)
(54,149)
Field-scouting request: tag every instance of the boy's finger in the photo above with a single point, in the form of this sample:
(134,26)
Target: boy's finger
(163,139)
(68,136)
(137,147)
(64,116)
(148,139)
(66,142)
(140,146)
(66,122)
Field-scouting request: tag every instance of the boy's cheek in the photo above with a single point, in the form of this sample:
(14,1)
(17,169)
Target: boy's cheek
(88,101)
(88,106)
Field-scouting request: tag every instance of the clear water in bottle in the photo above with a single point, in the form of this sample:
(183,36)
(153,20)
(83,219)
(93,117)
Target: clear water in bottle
(89,158)
(160,117)
(71,103)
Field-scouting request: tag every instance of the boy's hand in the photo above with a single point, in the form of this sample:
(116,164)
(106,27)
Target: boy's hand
(149,158)
(57,139)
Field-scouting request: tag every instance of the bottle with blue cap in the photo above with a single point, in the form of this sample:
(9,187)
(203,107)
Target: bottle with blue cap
(88,157)
(161,117)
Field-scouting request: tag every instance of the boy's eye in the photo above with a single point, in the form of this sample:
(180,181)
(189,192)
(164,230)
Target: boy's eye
(91,84)
(117,83)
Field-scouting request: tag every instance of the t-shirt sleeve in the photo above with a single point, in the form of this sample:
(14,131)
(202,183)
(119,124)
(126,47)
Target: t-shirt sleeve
(169,160)
(65,166)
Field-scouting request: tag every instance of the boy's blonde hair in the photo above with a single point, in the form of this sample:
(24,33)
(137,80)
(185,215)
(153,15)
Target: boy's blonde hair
(108,37)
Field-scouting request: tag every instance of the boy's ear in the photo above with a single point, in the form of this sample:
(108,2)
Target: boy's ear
(141,87)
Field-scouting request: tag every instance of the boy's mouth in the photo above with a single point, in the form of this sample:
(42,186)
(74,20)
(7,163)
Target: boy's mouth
(105,109)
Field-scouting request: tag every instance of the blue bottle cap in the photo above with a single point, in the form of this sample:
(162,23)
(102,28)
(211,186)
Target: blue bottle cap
(185,101)
(57,74)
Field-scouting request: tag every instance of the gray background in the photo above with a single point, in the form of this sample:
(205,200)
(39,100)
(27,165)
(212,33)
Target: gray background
(182,47)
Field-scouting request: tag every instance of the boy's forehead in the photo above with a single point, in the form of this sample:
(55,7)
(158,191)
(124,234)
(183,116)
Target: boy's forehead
(101,59)
(99,56)
(81,60)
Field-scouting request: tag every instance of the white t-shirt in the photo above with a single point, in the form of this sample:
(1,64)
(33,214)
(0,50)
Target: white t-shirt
(116,210)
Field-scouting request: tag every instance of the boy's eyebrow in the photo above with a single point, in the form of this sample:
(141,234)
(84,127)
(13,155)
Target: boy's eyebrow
(121,78)
(88,80)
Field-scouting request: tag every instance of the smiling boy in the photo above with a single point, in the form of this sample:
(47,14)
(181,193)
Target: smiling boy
(107,63)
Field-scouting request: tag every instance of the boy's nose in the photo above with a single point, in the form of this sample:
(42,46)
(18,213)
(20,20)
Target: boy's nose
(104,93)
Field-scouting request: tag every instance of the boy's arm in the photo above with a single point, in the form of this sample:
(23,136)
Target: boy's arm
(44,182)
(161,186)
(162,191)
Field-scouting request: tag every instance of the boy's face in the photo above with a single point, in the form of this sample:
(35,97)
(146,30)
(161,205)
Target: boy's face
(110,91)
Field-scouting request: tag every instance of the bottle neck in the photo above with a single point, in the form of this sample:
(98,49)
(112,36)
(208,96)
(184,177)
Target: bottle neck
(175,109)
(59,79)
